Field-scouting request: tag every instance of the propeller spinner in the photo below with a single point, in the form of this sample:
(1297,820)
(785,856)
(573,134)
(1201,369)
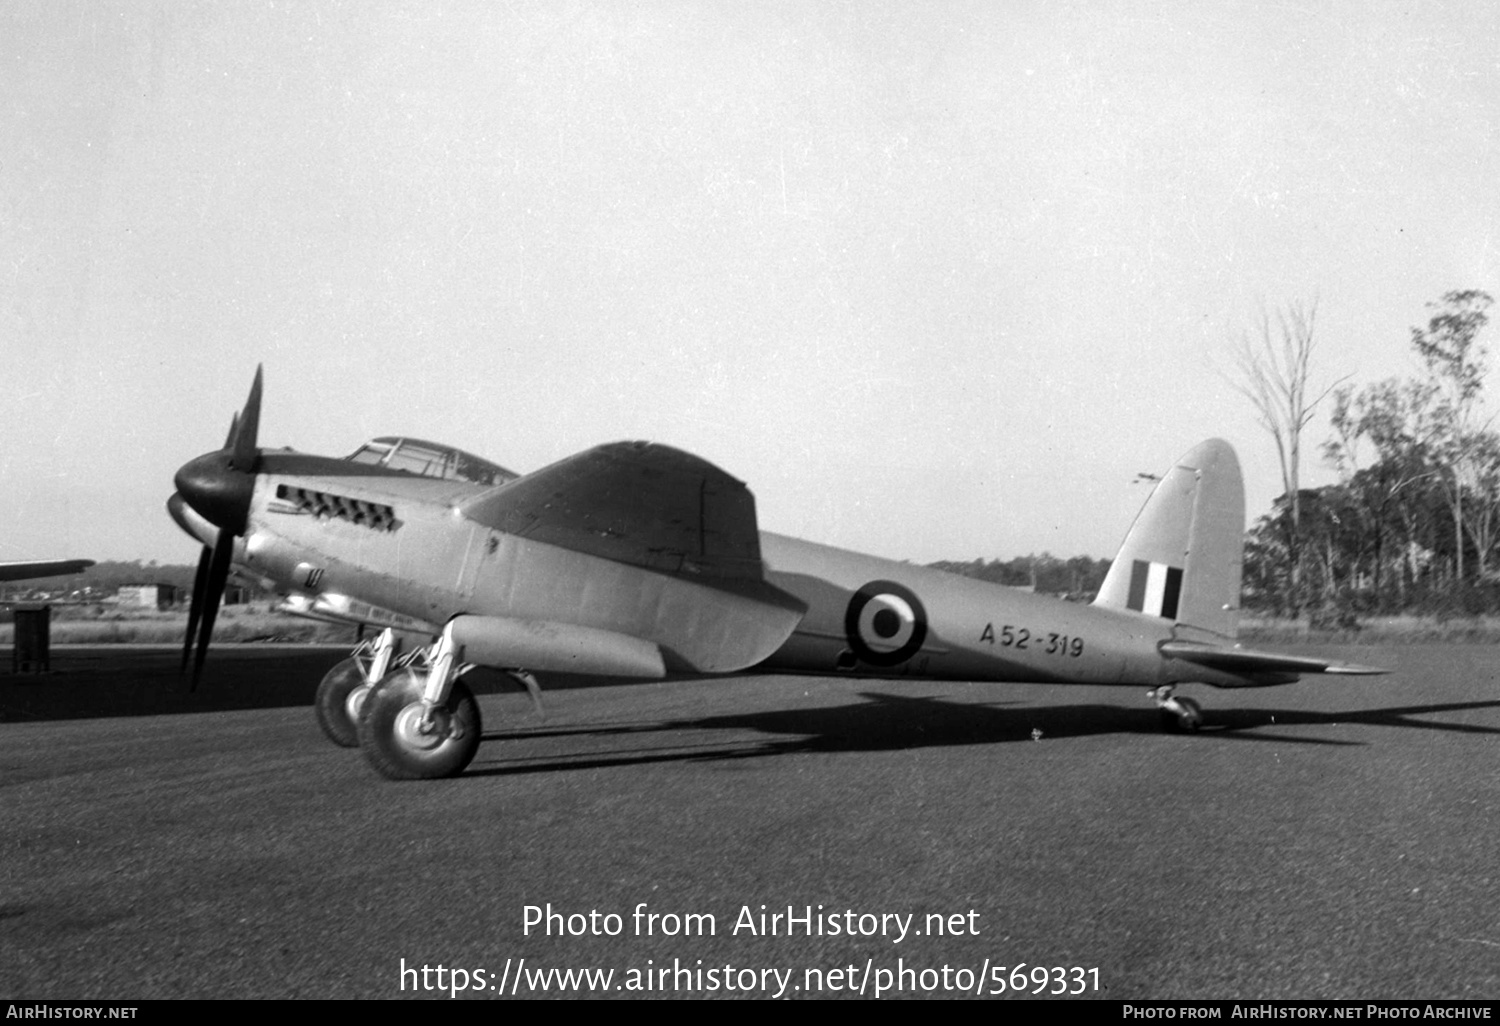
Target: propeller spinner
(218,486)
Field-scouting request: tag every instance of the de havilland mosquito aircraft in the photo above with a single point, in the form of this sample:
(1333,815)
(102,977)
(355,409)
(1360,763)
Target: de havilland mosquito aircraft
(635,560)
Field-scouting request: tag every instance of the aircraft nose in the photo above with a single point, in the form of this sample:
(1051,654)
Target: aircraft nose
(177,507)
(218,492)
(193,525)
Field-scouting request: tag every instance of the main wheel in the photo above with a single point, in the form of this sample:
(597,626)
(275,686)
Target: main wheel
(401,746)
(340,696)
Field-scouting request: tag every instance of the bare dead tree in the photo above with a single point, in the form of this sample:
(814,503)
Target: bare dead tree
(1274,363)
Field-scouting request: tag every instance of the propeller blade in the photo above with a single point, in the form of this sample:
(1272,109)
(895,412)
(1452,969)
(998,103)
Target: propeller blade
(244,452)
(195,609)
(219,487)
(218,575)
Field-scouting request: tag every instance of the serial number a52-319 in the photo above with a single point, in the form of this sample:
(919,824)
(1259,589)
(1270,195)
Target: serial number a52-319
(1039,641)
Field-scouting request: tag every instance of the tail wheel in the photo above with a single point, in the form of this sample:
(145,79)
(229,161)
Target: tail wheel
(1182,714)
(1176,713)
(340,697)
(406,741)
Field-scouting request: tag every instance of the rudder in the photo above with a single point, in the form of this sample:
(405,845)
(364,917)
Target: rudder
(1182,558)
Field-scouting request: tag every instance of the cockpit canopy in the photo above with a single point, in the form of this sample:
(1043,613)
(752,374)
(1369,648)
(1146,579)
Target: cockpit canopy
(428,459)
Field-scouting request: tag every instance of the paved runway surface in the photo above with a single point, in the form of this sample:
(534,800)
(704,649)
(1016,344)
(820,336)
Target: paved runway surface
(1332,839)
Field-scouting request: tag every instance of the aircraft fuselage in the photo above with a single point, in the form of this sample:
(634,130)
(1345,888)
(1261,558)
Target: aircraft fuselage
(323,527)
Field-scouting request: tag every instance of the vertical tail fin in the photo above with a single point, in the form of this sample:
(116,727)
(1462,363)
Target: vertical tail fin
(1181,560)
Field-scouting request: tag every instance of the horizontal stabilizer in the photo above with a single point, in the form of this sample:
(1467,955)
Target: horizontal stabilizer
(1245,660)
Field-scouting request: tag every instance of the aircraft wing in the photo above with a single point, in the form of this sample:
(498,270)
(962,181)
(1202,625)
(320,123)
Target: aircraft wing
(1245,660)
(27,569)
(634,502)
(665,511)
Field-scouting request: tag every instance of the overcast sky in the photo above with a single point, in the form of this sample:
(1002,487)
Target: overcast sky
(936,279)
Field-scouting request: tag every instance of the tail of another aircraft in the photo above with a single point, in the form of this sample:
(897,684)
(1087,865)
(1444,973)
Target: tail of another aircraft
(1181,560)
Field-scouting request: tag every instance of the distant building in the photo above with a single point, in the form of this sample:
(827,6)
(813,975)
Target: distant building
(146,596)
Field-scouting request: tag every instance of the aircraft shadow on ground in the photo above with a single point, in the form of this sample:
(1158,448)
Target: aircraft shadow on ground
(98,694)
(887,722)
(150,683)
(141,684)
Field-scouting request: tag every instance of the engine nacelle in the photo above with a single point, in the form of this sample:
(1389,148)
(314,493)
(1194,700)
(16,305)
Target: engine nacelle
(508,643)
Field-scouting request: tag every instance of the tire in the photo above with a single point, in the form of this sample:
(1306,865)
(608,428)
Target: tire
(389,736)
(340,697)
(1195,714)
(1175,723)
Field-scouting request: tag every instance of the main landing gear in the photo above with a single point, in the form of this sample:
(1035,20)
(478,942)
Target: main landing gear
(413,716)
(420,721)
(1176,713)
(344,689)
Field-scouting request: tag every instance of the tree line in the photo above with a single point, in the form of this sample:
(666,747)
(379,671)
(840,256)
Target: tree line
(1414,522)
(1077,578)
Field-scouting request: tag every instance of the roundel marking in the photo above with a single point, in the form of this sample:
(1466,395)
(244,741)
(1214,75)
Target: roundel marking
(885,623)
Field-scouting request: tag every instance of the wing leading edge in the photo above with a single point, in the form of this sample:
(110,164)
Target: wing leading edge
(640,503)
(707,603)
(28,569)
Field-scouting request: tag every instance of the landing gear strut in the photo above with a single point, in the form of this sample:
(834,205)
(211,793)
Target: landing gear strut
(1176,713)
(421,721)
(344,689)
